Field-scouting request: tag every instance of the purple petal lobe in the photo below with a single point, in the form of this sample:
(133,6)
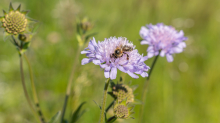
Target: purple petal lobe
(113,73)
(85,61)
(132,75)
(144,74)
(106,74)
(169,58)
(96,62)
(121,69)
(84,52)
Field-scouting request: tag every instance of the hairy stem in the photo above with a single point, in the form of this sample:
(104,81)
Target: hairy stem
(36,101)
(102,115)
(145,89)
(68,90)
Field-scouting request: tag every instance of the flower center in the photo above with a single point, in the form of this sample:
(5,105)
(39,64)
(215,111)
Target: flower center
(14,22)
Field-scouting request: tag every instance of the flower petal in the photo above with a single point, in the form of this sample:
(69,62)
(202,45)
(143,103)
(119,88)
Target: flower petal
(169,58)
(144,74)
(96,62)
(132,75)
(106,74)
(113,73)
(84,52)
(85,61)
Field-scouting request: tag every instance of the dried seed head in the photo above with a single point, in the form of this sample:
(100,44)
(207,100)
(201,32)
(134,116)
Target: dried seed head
(14,22)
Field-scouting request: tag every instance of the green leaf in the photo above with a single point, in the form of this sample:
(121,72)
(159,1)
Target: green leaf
(97,105)
(112,119)
(19,8)
(4,12)
(26,45)
(78,28)
(77,114)
(111,94)
(25,12)
(55,117)
(6,36)
(112,84)
(11,7)
(90,35)
(121,79)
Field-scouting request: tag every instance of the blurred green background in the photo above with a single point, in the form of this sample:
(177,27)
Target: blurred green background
(184,91)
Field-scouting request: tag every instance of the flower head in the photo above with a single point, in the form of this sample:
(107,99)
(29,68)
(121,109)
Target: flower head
(123,110)
(112,54)
(163,39)
(122,91)
(15,22)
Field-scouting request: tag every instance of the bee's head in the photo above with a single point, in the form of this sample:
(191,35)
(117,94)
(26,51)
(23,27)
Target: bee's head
(117,51)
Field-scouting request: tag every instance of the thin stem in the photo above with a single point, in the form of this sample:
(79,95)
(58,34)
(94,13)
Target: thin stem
(102,115)
(36,101)
(112,119)
(110,105)
(15,42)
(24,86)
(68,90)
(145,89)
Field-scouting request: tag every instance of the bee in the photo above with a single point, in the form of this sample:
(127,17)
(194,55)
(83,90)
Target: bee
(120,51)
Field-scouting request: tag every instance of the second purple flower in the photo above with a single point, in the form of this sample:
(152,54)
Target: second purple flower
(163,39)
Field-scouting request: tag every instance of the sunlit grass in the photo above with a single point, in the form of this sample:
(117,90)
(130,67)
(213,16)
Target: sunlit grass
(184,91)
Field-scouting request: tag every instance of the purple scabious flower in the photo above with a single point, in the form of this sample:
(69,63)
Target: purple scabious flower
(163,39)
(101,54)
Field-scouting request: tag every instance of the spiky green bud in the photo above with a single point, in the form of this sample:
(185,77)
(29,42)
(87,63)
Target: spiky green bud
(25,37)
(86,25)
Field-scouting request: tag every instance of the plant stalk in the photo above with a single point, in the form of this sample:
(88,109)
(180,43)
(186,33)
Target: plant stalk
(24,86)
(145,89)
(68,90)
(36,101)
(102,115)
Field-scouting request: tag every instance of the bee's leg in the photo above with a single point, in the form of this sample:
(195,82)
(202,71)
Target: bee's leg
(112,55)
(127,55)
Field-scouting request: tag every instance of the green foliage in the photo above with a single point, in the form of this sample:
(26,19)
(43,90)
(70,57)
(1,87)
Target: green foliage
(78,113)
(55,118)
(184,91)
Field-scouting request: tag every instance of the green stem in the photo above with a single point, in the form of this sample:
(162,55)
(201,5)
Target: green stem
(102,115)
(145,89)
(24,86)
(112,119)
(110,105)
(36,101)
(68,90)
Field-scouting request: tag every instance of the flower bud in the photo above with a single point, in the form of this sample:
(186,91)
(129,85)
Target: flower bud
(122,91)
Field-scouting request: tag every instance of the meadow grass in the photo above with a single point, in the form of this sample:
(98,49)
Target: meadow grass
(184,91)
